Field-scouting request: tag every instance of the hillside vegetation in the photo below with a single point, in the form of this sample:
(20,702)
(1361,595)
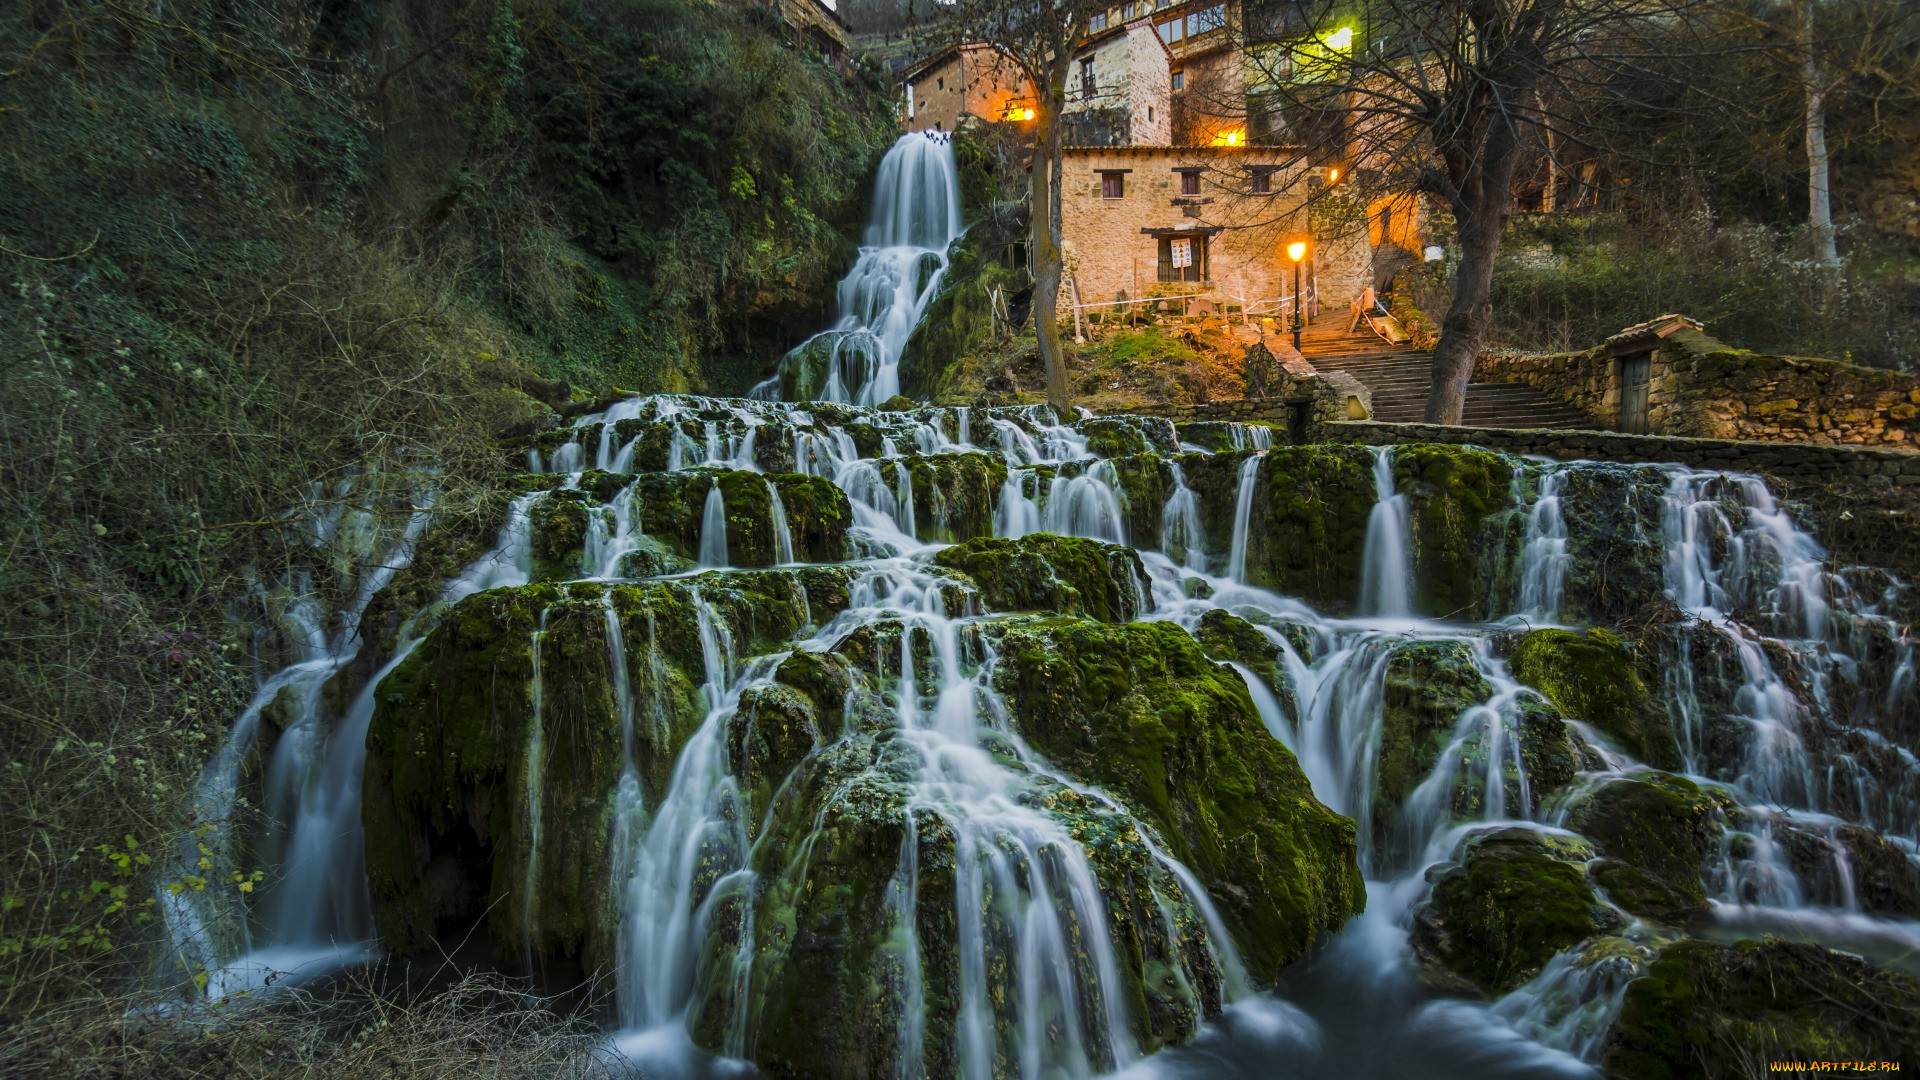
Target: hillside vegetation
(258,253)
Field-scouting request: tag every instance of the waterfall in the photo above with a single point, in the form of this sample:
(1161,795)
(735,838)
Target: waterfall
(1180,535)
(713,528)
(782,536)
(1242,518)
(1543,556)
(1017,514)
(536,779)
(313,916)
(1387,573)
(915,219)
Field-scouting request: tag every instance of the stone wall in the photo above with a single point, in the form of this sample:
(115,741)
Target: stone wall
(1299,399)
(1704,388)
(1868,466)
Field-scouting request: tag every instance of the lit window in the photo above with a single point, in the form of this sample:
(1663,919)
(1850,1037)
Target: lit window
(1189,183)
(1113,185)
(1179,80)
(1262,182)
(1097,22)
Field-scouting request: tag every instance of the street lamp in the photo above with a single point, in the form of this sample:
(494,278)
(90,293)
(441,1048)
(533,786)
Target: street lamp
(1297,251)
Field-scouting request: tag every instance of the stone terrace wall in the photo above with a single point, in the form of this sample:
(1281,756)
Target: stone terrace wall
(1329,396)
(1703,388)
(1869,466)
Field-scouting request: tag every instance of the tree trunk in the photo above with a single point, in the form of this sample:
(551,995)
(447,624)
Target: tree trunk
(1819,198)
(1044,229)
(1464,329)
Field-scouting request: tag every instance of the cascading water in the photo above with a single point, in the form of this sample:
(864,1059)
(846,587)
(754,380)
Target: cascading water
(1388,570)
(916,217)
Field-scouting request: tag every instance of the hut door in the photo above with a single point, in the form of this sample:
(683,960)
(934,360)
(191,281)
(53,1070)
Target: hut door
(1636,379)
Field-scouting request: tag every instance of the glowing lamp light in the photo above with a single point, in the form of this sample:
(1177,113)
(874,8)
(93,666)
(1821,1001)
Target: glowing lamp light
(1297,250)
(1341,38)
(1333,175)
(1028,115)
(1230,138)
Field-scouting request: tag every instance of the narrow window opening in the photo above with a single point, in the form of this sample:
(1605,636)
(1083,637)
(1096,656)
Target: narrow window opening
(1189,183)
(1113,185)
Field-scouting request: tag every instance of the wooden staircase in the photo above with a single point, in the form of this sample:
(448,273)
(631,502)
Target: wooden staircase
(1399,377)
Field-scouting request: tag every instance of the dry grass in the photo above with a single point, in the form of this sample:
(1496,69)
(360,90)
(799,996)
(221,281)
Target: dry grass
(481,1025)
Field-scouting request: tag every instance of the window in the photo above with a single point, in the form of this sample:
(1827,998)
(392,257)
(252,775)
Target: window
(1086,77)
(1113,185)
(1126,12)
(1262,182)
(1189,183)
(1149,114)
(1183,258)
(1179,80)
(939,84)
(1097,22)
(1206,20)
(1172,31)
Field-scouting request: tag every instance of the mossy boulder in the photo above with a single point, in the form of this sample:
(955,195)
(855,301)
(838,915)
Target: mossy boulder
(1593,676)
(1707,1011)
(1878,875)
(449,787)
(857,883)
(1515,898)
(1047,573)
(671,507)
(1461,510)
(1655,830)
(1140,710)
(1614,568)
(1427,689)
(1116,436)
(1307,533)
(953,494)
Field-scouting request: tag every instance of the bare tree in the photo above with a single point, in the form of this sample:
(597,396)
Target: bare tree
(1448,97)
(1040,37)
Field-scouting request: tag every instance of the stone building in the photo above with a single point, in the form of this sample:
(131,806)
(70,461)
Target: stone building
(965,80)
(1117,88)
(1211,223)
(818,25)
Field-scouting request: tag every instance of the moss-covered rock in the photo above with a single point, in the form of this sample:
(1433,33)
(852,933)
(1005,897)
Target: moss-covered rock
(1707,1011)
(1427,689)
(1047,573)
(1840,864)
(1307,534)
(1614,566)
(450,787)
(1515,898)
(1461,510)
(1117,436)
(954,494)
(1141,711)
(1655,830)
(1593,676)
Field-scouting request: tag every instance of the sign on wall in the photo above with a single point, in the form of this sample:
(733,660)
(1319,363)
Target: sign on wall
(1182,252)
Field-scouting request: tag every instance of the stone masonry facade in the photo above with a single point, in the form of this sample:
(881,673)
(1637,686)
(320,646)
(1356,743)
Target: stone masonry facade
(1114,242)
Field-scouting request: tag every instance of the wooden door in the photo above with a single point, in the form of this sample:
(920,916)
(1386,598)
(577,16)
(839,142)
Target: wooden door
(1636,381)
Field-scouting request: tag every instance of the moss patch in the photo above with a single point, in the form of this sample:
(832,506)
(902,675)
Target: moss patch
(1141,711)
(1706,1010)
(1043,572)
(1655,830)
(1592,676)
(1515,899)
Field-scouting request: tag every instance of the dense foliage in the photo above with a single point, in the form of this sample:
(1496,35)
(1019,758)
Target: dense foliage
(263,257)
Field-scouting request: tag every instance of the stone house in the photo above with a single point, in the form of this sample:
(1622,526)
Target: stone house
(1117,88)
(818,25)
(1210,223)
(964,80)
